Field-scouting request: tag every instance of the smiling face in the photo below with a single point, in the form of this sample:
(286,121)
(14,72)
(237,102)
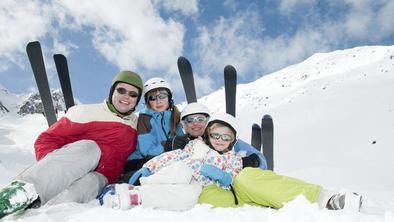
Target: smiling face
(124,102)
(220,137)
(195,124)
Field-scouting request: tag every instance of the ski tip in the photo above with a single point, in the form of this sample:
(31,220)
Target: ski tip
(59,56)
(182,60)
(33,44)
(230,69)
(266,116)
(256,126)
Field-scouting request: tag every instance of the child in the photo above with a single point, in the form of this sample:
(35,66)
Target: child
(173,180)
(157,125)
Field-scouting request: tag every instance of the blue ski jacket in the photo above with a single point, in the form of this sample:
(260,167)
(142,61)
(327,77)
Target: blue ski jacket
(240,145)
(154,129)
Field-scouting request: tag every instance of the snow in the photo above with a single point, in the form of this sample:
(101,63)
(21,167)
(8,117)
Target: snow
(334,125)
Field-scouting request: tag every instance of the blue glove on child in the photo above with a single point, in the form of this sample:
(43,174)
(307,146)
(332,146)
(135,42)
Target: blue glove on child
(216,174)
(143,172)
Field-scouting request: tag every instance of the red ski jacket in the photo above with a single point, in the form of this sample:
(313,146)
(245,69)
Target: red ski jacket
(116,136)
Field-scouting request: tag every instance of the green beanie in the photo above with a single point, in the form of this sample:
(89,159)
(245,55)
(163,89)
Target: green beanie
(128,77)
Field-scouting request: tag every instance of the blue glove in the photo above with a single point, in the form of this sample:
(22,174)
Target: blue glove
(143,172)
(216,174)
(110,189)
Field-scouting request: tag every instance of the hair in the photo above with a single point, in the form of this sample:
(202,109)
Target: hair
(214,125)
(175,113)
(175,119)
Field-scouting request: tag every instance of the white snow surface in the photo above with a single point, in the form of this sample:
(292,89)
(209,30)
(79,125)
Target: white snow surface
(334,126)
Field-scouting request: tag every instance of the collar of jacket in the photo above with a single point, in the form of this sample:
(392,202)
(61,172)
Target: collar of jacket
(155,114)
(113,109)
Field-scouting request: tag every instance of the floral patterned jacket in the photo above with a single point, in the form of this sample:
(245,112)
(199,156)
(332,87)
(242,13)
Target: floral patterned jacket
(195,154)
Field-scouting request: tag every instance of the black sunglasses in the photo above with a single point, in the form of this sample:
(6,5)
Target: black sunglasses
(159,96)
(123,91)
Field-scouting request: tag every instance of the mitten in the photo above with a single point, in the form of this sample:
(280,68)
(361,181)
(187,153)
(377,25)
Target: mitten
(251,161)
(143,172)
(216,174)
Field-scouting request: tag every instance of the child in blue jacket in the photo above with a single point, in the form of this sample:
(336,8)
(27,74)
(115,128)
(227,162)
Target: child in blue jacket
(157,125)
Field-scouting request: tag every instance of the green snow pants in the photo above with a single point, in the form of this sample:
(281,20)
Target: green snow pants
(255,186)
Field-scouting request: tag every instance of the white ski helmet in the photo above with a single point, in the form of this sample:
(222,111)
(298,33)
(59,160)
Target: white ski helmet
(155,83)
(226,119)
(194,108)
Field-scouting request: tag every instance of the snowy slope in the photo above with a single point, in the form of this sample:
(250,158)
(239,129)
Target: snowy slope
(333,115)
(333,119)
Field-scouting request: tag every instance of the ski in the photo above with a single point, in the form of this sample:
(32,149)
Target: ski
(256,137)
(34,53)
(186,73)
(230,88)
(3,108)
(267,135)
(64,78)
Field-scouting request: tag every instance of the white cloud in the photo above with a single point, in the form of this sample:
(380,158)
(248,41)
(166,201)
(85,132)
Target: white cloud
(285,50)
(64,48)
(353,20)
(20,22)
(130,34)
(232,4)
(230,41)
(385,18)
(204,84)
(237,41)
(186,7)
(369,19)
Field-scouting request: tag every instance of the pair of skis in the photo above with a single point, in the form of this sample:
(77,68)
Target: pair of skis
(230,82)
(36,59)
(261,135)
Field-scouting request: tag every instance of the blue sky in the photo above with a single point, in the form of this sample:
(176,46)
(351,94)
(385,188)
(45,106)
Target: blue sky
(99,38)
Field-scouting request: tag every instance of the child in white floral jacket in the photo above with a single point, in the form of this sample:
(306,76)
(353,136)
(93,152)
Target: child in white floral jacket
(174,180)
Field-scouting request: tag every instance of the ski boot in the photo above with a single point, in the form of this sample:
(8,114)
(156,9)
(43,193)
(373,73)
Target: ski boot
(120,196)
(347,201)
(16,196)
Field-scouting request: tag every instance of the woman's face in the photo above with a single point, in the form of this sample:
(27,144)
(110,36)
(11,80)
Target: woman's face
(124,97)
(220,137)
(158,100)
(195,124)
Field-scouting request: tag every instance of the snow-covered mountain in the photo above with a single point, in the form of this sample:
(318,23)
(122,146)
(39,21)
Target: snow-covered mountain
(334,124)
(27,103)
(32,104)
(8,101)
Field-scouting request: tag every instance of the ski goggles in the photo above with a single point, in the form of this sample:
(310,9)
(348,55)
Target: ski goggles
(196,119)
(123,91)
(161,95)
(224,137)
